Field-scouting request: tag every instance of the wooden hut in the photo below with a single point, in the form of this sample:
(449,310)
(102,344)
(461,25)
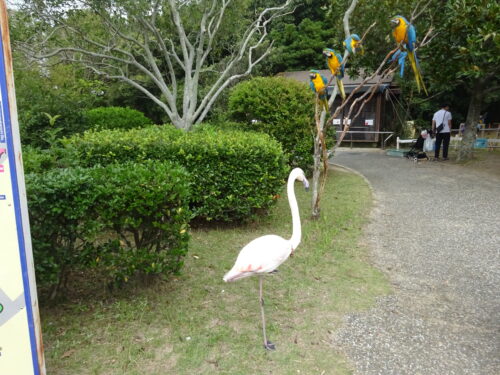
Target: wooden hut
(376,116)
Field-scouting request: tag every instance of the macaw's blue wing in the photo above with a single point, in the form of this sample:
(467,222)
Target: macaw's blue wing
(348,44)
(412,37)
(339,57)
(325,81)
(311,85)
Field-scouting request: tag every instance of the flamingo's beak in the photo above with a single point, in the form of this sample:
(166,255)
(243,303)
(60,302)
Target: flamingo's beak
(306,184)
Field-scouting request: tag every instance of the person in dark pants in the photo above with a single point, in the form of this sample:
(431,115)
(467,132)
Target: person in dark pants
(443,133)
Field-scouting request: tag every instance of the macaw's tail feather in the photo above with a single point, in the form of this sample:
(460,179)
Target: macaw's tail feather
(324,104)
(418,75)
(341,88)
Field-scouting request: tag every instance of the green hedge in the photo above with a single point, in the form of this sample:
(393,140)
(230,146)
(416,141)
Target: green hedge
(234,173)
(280,107)
(63,224)
(121,219)
(115,118)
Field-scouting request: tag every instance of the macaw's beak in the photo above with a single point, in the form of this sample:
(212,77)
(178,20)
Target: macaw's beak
(395,22)
(312,75)
(326,53)
(306,184)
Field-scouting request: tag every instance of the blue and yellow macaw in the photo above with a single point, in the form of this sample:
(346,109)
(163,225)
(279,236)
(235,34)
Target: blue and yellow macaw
(353,44)
(318,85)
(405,35)
(334,61)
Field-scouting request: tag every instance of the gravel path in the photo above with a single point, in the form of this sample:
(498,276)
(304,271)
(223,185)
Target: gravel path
(435,232)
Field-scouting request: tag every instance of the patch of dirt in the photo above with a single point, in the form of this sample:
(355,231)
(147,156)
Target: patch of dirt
(484,161)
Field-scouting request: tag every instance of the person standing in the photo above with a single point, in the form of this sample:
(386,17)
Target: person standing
(441,126)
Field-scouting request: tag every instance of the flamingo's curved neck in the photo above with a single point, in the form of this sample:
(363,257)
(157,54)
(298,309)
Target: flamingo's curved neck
(296,229)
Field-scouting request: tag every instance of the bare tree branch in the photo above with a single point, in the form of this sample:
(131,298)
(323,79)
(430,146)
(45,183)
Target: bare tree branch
(417,11)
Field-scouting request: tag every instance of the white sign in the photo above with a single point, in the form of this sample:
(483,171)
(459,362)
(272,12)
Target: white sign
(368,122)
(336,121)
(20,337)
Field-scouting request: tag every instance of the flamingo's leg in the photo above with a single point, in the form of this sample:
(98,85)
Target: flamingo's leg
(267,344)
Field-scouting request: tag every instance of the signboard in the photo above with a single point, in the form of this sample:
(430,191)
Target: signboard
(21,350)
(336,121)
(369,122)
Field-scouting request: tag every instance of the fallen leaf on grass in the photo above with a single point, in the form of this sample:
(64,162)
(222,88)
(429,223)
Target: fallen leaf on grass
(68,353)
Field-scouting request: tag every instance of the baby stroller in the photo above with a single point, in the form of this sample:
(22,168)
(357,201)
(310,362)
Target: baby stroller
(416,152)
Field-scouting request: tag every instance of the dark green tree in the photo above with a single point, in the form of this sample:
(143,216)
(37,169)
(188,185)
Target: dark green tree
(466,58)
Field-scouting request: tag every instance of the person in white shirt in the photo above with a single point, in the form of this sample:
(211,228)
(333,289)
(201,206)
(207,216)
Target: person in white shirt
(443,134)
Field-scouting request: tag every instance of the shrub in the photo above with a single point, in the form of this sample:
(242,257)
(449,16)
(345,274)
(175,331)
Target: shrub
(118,146)
(280,107)
(121,219)
(62,221)
(60,91)
(115,118)
(145,209)
(234,173)
(37,160)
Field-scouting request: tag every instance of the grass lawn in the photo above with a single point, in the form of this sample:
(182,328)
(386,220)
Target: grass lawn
(197,324)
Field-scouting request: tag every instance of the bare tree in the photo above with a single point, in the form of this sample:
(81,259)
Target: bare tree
(164,44)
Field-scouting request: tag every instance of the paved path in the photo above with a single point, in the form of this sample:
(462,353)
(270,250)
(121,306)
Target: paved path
(435,232)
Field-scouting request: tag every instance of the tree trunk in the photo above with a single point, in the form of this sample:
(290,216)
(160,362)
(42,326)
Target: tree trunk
(465,151)
(318,151)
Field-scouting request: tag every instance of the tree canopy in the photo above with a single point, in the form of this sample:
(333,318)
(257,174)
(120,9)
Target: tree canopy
(182,55)
(178,46)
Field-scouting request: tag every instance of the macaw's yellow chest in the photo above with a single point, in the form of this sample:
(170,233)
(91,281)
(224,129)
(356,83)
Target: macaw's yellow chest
(400,34)
(333,64)
(319,85)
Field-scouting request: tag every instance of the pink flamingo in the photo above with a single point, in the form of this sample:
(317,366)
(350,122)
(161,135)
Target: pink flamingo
(264,254)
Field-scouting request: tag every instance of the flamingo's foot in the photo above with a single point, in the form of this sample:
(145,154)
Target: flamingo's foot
(269,345)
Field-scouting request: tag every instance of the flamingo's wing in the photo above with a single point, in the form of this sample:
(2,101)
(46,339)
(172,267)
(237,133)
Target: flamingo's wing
(262,255)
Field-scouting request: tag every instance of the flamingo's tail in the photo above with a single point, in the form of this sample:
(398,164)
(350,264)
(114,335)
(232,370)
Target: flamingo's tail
(416,71)
(234,275)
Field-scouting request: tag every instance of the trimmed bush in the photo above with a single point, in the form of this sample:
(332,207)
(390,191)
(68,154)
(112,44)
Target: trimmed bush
(280,107)
(234,173)
(115,118)
(62,221)
(125,219)
(145,209)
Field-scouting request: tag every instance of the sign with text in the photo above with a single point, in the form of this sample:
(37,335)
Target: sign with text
(336,121)
(21,350)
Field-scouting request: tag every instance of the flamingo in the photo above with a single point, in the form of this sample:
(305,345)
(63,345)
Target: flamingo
(265,254)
